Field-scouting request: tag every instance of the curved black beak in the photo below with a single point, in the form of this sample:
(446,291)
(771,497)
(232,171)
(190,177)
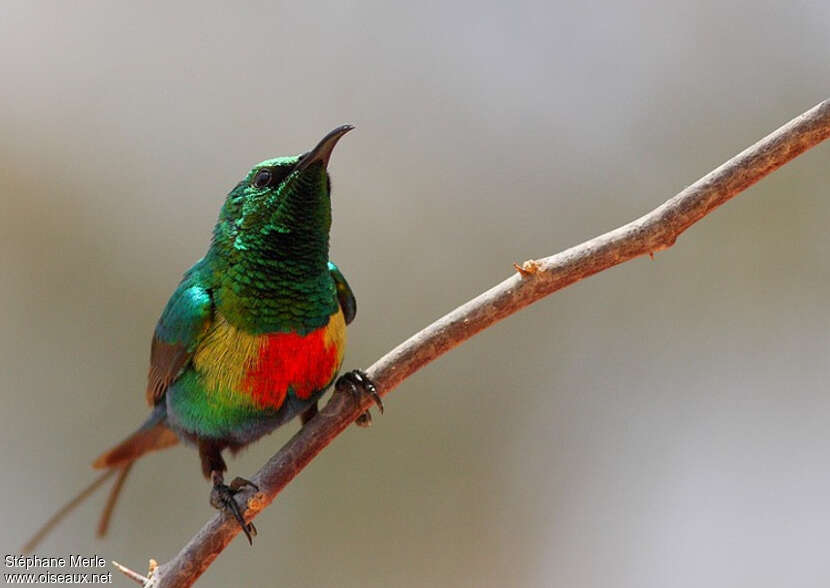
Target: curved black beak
(322,152)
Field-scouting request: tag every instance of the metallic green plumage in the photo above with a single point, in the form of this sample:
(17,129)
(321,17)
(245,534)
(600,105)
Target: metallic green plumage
(254,333)
(269,257)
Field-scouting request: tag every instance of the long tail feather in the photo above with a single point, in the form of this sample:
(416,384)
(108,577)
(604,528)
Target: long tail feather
(65,510)
(106,514)
(151,436)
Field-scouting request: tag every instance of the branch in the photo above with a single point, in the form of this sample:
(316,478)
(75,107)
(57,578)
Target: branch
(535,279)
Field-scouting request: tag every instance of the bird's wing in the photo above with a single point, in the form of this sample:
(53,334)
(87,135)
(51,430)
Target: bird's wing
(185,320)
(344,294)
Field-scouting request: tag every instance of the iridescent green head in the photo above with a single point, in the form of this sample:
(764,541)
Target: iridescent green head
(282,201)
(272,236)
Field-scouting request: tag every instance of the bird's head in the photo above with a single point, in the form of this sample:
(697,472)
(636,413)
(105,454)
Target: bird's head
(283,206)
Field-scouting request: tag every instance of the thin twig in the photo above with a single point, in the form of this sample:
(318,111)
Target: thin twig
(134,576)
(535,279)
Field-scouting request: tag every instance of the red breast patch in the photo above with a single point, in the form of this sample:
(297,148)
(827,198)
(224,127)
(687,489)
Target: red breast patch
(289,360)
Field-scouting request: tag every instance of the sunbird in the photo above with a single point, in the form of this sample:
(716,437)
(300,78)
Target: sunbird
(253,335)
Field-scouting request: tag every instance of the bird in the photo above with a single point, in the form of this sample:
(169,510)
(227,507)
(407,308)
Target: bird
(253,335)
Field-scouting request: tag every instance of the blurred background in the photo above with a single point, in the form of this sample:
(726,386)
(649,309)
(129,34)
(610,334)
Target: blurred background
(661,424)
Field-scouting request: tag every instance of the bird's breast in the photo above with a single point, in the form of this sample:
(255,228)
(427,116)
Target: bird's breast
(267,367)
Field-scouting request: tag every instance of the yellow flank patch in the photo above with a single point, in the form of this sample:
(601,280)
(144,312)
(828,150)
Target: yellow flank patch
(225,355)
(335,334)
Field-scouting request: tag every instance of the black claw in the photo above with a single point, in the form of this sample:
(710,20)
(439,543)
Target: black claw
(222,498)
(364,420)
(239,483)
(358,383)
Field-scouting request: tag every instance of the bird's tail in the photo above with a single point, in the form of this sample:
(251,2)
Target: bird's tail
(151,436)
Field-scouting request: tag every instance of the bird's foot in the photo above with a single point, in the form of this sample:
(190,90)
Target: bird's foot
(222,498)
(357,383)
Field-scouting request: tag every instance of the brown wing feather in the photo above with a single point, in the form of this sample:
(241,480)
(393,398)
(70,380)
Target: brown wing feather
(184,321)
(166,361)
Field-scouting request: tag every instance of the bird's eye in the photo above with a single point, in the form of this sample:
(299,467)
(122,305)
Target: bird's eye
(262,178)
